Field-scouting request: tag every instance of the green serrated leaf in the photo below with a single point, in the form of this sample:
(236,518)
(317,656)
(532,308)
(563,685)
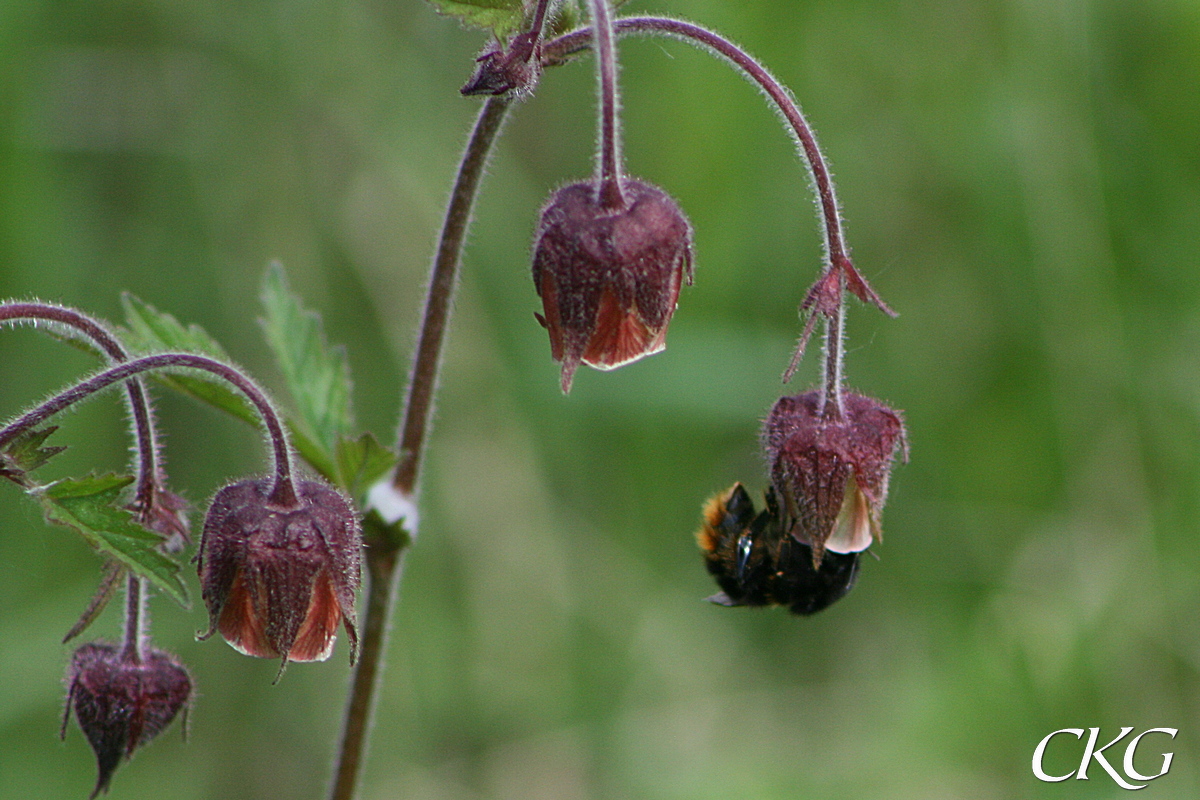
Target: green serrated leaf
(503,17)
(25,454)
(564,18)
(361,462)
(312,452)
(506,17)
(317,375)
(154,331)
(87,505)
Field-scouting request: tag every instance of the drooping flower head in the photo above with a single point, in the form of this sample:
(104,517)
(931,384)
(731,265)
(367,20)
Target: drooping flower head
(831,471)
(278,581)
(609,278)
(122,702)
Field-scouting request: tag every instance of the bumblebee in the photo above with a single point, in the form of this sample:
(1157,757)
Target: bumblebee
(756,563)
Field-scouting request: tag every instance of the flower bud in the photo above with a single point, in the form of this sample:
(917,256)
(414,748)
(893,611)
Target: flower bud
(515,69)
(167,516)
(609,278)
(756,564)
(831,472)
(277,581)
(122,702)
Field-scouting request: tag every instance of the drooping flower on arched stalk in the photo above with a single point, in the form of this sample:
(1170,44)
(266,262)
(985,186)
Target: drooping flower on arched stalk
(831,471)
(278,580)
(122,700)
(285,552)
(609,279)
(611,253)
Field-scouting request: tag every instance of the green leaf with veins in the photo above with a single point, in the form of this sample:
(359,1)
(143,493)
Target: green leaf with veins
(360,463)
(317,375)
(502,17)
(154,331)
(506,17)
(25,454)
(88,505)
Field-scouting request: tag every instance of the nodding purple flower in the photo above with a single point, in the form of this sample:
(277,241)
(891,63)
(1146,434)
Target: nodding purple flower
(830,471)
(277,581)
(609,277)
(122,701)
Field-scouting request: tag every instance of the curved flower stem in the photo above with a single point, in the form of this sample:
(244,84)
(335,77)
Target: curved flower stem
(826,296)
(146,446)
(835,246)
(283,493)
(608,166)
(384,542)
(139,407)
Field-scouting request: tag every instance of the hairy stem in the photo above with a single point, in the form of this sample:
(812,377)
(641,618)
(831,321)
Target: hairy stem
(608,167)
(558,49)
(146,447)
(384,546)
(139,407)
(539,19)
(283,492)
(831,406)
(384,569)
(133,646)
(443,277)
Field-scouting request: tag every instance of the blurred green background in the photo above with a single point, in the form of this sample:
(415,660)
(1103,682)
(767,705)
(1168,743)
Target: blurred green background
(1020,180)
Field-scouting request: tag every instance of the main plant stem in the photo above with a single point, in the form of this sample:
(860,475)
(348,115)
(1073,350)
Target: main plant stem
(384,543)
(443,276)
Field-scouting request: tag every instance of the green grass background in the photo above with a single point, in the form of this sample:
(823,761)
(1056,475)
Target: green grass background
(1020,180)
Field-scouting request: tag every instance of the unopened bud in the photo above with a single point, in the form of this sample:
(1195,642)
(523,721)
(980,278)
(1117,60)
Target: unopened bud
(122,702)
(609,278)
(831,472)
(515,69)
(278,581)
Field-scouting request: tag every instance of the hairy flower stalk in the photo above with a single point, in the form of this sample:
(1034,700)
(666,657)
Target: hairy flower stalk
(145,435)
(825,297)
(610,254)
(608,166)
(154,506)
(392,521)
(283,491)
